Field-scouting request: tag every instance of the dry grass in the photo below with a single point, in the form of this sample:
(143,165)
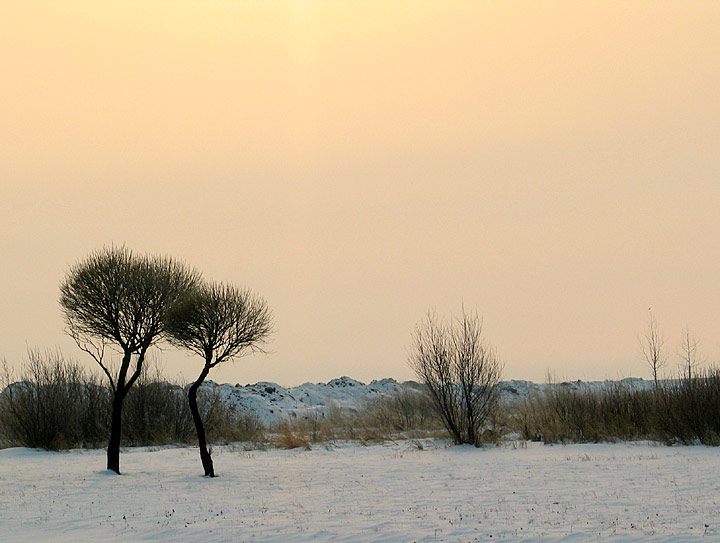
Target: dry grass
(288,437)
(407,415)
(685,411)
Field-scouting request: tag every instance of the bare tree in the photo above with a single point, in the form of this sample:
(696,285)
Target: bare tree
(460,372)
(219,322)
(688,353)
(651,347)
(119,299)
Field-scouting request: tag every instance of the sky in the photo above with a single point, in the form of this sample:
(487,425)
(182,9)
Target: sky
(554,166)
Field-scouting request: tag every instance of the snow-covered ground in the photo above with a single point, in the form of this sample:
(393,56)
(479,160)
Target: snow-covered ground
(391,493)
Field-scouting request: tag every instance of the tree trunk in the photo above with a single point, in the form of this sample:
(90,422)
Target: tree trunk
(113,450)
(205,457)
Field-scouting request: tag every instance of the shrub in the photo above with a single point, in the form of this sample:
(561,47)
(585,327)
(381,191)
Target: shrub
(689,409)
(223,423)
(155,412)
(55,404)
(461,374)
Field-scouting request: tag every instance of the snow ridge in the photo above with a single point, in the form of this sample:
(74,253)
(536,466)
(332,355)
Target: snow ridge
(272,403)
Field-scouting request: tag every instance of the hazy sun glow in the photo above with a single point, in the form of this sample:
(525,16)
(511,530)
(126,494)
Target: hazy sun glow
(554,164)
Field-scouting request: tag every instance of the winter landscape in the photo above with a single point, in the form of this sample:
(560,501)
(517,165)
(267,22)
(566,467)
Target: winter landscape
(391,271)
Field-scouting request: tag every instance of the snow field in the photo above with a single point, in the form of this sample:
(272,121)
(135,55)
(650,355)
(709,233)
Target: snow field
(382,493)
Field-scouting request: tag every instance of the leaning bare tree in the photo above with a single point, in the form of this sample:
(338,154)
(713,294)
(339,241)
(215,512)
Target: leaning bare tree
(119,299)
(461,373)
(219,322)
(651,347)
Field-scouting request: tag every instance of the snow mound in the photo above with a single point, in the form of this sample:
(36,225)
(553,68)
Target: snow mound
(272,403)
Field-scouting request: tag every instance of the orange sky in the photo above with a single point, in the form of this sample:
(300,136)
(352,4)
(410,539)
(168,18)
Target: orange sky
(553,164)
